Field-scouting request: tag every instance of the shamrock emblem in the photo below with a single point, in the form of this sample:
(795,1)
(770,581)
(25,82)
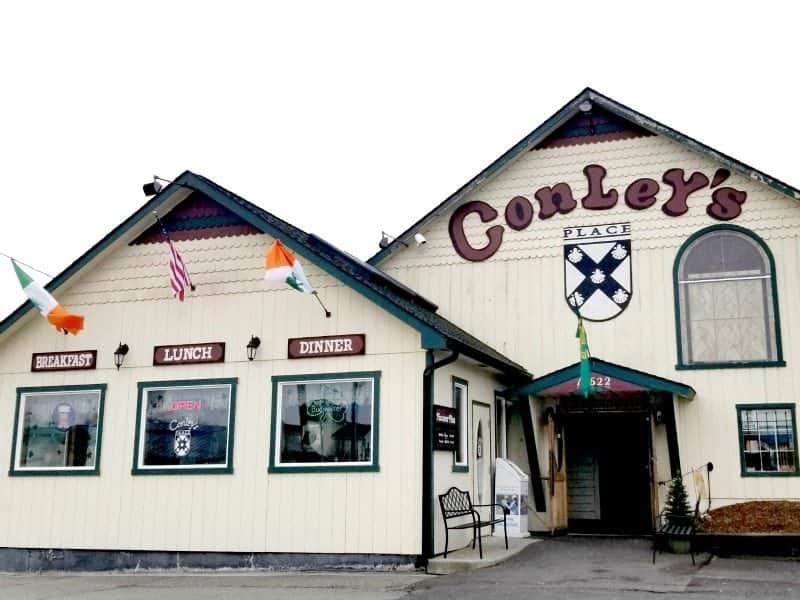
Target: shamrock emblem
(620,296)
(597,276)
(575,256)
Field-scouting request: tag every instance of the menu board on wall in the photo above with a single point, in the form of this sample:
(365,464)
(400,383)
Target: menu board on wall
(445,428)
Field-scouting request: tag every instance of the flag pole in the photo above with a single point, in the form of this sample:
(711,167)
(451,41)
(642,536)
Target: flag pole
(327,312)
(166,235)
(585,369)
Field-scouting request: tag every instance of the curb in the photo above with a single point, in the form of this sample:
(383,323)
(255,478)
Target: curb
(451,565)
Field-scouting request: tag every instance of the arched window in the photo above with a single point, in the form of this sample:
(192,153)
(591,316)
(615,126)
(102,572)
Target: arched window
(726,304)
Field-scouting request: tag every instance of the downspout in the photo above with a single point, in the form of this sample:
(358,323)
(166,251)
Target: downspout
(428,507)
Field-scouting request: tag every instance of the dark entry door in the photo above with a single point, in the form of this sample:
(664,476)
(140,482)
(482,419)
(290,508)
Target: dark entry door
(608,473)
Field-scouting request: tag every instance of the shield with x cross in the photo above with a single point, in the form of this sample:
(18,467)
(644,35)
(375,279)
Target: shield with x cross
(597,272)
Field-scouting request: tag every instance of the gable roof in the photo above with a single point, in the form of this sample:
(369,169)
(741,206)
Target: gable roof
(436,332)
(541,134)
(548,385)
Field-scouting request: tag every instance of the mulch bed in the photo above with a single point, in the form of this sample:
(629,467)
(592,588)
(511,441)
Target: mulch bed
(755,517)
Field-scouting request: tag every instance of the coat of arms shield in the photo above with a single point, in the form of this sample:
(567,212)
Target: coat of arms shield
(183,442)
(597,270)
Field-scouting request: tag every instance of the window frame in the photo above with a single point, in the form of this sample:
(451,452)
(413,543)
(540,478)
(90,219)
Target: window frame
(182,469)
(462,420)
(274,466)
(500,425)
(681,365)
(16,471)
(767,406)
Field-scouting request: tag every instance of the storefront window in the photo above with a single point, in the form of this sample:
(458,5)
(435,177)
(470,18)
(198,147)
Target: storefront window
(57,430)
(727,310)
(325,422)
(768,439)
(185,426)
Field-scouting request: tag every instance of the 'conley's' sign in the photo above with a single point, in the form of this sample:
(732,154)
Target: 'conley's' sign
(330,345)
(188,354)
(726,204)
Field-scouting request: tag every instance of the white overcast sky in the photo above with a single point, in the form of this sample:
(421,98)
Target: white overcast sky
(348,118)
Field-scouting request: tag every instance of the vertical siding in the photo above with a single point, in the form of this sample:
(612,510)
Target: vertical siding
(481,388)
(515,299)
(125,298)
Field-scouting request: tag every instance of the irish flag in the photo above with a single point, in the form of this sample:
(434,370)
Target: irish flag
(284,267)
(47,305)
(585,368)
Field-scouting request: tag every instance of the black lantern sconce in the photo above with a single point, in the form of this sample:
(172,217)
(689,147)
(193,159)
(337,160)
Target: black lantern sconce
(119,354)
(151,188)
(252,346)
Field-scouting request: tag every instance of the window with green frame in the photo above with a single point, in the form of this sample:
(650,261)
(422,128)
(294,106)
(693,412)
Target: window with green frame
(185,427)
(460,403)
(767,439)
(726,305)
(325,422)
(57,430)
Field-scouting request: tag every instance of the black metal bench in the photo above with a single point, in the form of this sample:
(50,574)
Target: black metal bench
(457,503)
(667,529)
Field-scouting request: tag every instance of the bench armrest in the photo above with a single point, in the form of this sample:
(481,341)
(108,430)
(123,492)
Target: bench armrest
(505,510)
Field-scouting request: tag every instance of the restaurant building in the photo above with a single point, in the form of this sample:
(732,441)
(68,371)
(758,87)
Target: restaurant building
(245,428)
(682,263)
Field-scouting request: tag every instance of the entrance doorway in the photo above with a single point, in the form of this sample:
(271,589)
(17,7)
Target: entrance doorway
(608,472)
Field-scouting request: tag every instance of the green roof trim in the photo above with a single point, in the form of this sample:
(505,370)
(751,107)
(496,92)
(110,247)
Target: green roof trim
(436,332)
(538,135)
(640,378)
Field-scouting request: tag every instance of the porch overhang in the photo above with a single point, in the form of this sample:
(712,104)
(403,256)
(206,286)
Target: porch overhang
(607,378)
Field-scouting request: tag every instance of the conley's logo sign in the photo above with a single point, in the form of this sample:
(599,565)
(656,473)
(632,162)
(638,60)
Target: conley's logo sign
(726,204)
(597,270)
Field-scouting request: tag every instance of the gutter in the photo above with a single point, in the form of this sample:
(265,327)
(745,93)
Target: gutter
(428,507)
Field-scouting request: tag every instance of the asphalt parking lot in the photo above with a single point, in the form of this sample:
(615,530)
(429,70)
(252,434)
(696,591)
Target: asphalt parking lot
(584,568)
(564,568)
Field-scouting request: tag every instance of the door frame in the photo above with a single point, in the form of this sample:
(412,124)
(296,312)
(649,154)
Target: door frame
(486,445)
(643,427)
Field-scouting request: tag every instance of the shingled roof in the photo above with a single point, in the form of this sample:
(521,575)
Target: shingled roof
(418,312)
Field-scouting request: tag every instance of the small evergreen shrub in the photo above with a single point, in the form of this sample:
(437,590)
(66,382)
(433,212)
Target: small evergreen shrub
(677,500)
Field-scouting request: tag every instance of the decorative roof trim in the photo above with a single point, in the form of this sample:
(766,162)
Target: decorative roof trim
(435,331)
(538,135)
(640,378)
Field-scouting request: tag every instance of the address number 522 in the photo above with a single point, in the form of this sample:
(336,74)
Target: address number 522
(599,381)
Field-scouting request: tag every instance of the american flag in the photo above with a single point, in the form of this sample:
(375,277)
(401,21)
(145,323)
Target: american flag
(178,275)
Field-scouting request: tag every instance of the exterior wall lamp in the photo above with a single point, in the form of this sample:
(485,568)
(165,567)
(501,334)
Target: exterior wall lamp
(151,188)
(252,346)
(387,239)
(119,354)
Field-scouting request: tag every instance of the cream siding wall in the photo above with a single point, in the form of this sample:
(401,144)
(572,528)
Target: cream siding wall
(515,300)
(481,388)
(126,298)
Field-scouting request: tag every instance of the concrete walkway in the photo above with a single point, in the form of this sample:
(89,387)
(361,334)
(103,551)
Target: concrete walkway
(205,585)
(467,559)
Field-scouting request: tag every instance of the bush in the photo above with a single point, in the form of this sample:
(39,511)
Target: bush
(677,500)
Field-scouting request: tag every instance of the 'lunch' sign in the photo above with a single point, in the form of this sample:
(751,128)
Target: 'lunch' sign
(188,354)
